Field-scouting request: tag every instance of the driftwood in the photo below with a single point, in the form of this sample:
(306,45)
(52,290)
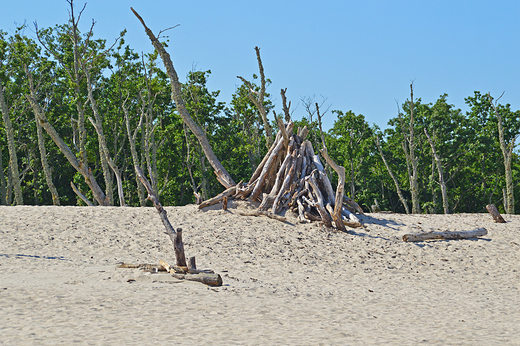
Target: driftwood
(222,175)
(226,193)
(175,235)
(291,176)
(494,212)
(191,273)
(479,232)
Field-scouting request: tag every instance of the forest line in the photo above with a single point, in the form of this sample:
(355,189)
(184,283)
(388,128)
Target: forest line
(79,114)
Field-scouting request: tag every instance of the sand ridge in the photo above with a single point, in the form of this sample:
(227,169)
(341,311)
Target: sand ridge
(284,283)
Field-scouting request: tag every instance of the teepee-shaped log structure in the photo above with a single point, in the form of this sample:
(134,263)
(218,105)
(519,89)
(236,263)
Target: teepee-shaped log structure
(291,176)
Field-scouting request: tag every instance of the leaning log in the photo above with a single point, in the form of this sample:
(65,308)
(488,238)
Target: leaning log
(494,212)
(226,193)
(479,232)
(175,235)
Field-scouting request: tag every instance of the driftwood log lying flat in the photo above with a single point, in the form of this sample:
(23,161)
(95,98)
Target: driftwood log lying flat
(494,212)
(479,232)
(191,273)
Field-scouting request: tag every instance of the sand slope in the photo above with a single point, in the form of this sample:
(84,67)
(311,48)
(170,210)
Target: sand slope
(284,283)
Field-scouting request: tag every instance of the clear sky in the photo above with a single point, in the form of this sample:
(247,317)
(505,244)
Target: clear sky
(359,55)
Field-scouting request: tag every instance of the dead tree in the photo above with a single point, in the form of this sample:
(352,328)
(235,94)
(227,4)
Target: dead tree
(444,191)
(257,97)
(222,175)
(13,157)
(397,186)
(409,147)
(507,153)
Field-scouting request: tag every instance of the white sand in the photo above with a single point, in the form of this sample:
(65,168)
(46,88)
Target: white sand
(284,283)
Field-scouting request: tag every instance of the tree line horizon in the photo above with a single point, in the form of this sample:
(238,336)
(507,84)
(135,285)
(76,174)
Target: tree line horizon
(78,114)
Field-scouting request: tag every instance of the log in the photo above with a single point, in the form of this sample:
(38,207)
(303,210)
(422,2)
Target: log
(283,189)
(266,168)
(207,279)
(352,204)
(226,193)
(494,212)
(268,199)
(320,205)
(479,232)
(340,170)
(175,235)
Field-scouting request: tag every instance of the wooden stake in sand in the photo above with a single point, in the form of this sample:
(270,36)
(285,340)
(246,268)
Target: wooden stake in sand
(494,212)
(479,232)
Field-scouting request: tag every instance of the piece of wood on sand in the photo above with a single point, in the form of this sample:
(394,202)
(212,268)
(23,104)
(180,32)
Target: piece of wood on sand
(494,212)
(181,271)
(479,232)
(207,277)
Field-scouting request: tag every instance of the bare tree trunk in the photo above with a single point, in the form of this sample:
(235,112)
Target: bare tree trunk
(106,160)
(257,97)
(444,191)
(135,159)
(13,158)
(398,188)
(3,183)
(507,152)
(222,175)
(47,171)
(414,186)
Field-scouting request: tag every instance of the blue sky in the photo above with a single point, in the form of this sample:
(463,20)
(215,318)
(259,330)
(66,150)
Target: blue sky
(359,55)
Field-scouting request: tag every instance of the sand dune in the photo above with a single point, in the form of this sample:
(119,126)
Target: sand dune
(284,283)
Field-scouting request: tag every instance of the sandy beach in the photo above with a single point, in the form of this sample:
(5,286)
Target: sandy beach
(285,283)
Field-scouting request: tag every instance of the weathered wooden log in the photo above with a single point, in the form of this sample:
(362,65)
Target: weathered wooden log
(319,201)
(207,279)
(479,232)
(262,213)
(301,211)
(285,185)
(226,193)
(312,217)
(271,161)
(340,170)
(494,212)
(260,167)
(175,235)
(328,191)
(349,215)
(303,132)
(352,204)
(268,199)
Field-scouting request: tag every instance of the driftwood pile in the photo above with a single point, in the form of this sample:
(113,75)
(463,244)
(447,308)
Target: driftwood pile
(291,176)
